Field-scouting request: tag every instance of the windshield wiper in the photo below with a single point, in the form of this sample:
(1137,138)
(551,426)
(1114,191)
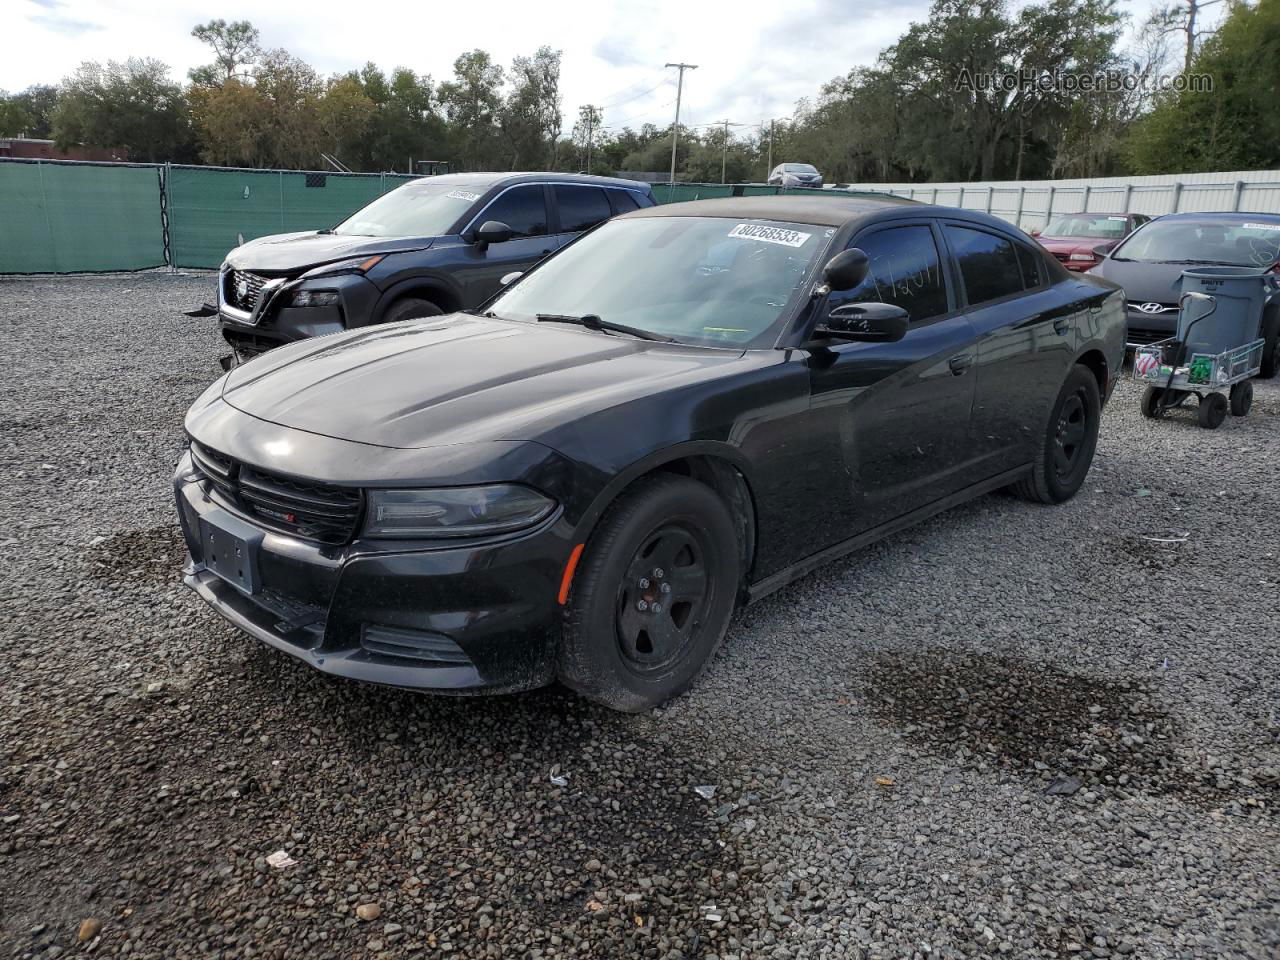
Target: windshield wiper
(592,322)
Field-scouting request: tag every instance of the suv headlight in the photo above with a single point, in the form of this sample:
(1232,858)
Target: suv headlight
(314,298)
(455,511)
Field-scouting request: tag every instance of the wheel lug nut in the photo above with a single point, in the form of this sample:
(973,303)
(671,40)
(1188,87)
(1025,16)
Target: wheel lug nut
(644,583)
(665,588)
(657,608)
(657,573)
(642,606)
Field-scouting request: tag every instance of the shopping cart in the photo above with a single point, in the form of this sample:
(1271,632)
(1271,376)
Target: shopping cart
(1180,367)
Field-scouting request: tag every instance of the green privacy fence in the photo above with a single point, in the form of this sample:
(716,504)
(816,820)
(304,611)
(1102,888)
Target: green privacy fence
(65,218)
(59,216)
(211,208)
(72,217)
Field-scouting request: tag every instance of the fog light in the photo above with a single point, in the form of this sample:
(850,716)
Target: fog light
(314,298)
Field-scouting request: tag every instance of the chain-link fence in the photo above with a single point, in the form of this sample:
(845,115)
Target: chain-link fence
(60,216)
(74,217)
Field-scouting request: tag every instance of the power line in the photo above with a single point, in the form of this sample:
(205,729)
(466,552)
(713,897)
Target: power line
(643,93)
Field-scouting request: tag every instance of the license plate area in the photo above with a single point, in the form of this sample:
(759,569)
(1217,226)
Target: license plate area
(230,548)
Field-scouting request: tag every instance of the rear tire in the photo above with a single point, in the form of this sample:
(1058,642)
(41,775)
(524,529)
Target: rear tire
(652,596)
(1152,406)
(1242,398)
(1068,442)
(411,308)
(1271,349)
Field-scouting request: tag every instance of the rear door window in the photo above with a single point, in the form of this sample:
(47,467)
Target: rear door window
(988,264)
(581,208)
(904,269)
(624,201)
(523,209)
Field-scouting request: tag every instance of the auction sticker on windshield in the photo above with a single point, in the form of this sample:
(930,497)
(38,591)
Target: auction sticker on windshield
(1262,226)
(463,195)
(758,231)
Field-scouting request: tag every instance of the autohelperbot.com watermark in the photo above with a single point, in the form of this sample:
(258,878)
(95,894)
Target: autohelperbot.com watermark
(1060,81)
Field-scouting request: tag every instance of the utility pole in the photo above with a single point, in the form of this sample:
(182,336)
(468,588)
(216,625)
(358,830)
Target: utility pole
(769,169)
(675,128)
(590,116)
(724,151)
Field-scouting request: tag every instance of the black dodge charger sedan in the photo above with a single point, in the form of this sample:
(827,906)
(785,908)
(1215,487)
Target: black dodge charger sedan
(429,247)
(683,410)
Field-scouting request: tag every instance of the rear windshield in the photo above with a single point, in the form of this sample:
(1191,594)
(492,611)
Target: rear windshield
(418,209)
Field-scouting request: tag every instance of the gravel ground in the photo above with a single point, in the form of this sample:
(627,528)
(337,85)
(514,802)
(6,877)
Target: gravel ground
(1010,731)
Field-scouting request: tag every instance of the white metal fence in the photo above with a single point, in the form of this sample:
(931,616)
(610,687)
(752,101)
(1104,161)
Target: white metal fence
(1030,203)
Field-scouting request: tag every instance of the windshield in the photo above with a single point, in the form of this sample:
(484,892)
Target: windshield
(702,280)
(800,168)
(1251,244)
(417,209)
(1104,228)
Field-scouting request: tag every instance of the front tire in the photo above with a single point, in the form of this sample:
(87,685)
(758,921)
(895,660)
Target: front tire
(653,595)
(1068,443)
(411,308)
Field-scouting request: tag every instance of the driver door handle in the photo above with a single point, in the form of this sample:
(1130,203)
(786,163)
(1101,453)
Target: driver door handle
(959,364)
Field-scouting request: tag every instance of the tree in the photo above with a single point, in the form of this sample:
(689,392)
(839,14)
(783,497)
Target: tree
(1232,127)
(345,115)
(530,117)
(585,136)
(132,105)
(235,45)
(232,121)
(291,91)
(472,101)
(1185,18)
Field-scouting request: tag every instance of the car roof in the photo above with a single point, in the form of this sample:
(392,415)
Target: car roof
(1224,215)
(486,180)
(830,209)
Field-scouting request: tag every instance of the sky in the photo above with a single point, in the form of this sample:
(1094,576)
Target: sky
(755,58)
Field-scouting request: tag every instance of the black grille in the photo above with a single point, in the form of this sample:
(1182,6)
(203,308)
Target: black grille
(243,289)
(304,508)
(1144,337)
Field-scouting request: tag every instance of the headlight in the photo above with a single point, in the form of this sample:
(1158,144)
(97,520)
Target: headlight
(314,298)
(455,511)
(1083,256)
(355,265)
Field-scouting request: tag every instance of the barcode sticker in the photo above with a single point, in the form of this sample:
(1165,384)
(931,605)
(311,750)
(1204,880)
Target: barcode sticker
(758,231)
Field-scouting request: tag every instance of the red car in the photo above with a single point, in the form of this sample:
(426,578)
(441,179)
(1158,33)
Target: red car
(1071,237)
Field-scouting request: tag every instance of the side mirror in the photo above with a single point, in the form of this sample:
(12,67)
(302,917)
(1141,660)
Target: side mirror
(492,231)
(1102,249)
(864,323)
(511,277)
(845,270)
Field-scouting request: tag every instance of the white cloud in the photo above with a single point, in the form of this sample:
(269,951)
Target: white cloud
(755,60)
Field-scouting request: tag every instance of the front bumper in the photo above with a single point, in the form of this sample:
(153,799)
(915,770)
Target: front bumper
(475,617)
(1143,328)
(273,322)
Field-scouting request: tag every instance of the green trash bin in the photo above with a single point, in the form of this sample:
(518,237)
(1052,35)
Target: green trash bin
(1239,293)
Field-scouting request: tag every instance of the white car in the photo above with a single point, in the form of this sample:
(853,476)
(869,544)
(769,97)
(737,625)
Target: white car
(795,175)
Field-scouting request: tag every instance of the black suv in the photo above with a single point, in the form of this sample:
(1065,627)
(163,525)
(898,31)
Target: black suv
(433,246)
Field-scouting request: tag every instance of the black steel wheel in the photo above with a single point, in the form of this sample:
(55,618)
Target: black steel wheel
(653,594)
(1242,398)
(1066,447)
(1213,410)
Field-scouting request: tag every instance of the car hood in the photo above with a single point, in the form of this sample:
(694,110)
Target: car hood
(288,252)
(1073,244)
(1144,282)
(459,379)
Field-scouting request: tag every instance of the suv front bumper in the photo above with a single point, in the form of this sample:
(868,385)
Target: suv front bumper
(474,617)
(274,322)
